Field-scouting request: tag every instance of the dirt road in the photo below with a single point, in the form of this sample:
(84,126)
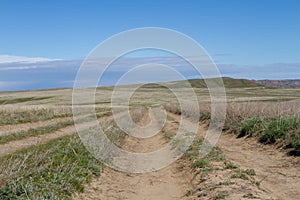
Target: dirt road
(169,183)
(279,173)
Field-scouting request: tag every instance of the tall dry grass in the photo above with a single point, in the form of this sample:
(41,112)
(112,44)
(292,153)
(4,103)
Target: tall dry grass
(238,112)
(270,122)
(25,114)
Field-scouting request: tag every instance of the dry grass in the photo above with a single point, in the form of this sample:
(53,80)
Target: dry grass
(54,170)
(137,113)
(25,114)
(270,122)
(237,112)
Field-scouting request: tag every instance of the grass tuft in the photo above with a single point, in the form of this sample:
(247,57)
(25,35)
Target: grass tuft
(250,172)
(240,175)
(51,171)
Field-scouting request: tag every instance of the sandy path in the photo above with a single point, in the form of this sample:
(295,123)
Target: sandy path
(169,183)
(279,173)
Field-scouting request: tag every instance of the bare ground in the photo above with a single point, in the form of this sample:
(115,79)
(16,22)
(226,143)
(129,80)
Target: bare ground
(278,173)
(169,183)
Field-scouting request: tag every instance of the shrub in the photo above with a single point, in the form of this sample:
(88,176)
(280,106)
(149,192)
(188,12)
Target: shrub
(251,127)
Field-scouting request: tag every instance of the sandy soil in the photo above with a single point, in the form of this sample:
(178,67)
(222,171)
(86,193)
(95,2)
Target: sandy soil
(278,173)
(169,183)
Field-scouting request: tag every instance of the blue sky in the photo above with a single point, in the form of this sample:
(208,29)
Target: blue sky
(242,36)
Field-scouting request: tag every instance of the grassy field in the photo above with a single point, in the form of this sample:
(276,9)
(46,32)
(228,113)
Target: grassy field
(63,166)
(51,171)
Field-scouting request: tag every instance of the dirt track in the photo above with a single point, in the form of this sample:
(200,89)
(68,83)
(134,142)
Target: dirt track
(278,173)
(169,183)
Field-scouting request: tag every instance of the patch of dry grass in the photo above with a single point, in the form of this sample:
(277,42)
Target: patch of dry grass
(270,122)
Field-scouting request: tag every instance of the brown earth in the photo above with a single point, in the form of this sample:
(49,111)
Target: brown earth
(169,183)
(278,173)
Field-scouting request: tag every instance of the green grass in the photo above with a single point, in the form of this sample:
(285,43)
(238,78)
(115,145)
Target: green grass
(251,127)
(34,132)
(279,128)
(240,175)
(55,170)
(230,166)
(203,164)
(250,172)
(51,171)
(244,174)
(272,130)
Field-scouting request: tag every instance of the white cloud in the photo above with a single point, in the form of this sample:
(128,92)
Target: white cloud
(5,84)
(18,68)
(7,59)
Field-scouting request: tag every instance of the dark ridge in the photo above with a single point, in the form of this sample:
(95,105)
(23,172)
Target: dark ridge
(280,83)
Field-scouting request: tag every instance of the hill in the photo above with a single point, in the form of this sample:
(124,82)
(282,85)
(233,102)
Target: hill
(280,83)
(228,83)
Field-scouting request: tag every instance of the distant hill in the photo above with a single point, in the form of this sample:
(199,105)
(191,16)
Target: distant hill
(228,83)
(200,83)
(280,83)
